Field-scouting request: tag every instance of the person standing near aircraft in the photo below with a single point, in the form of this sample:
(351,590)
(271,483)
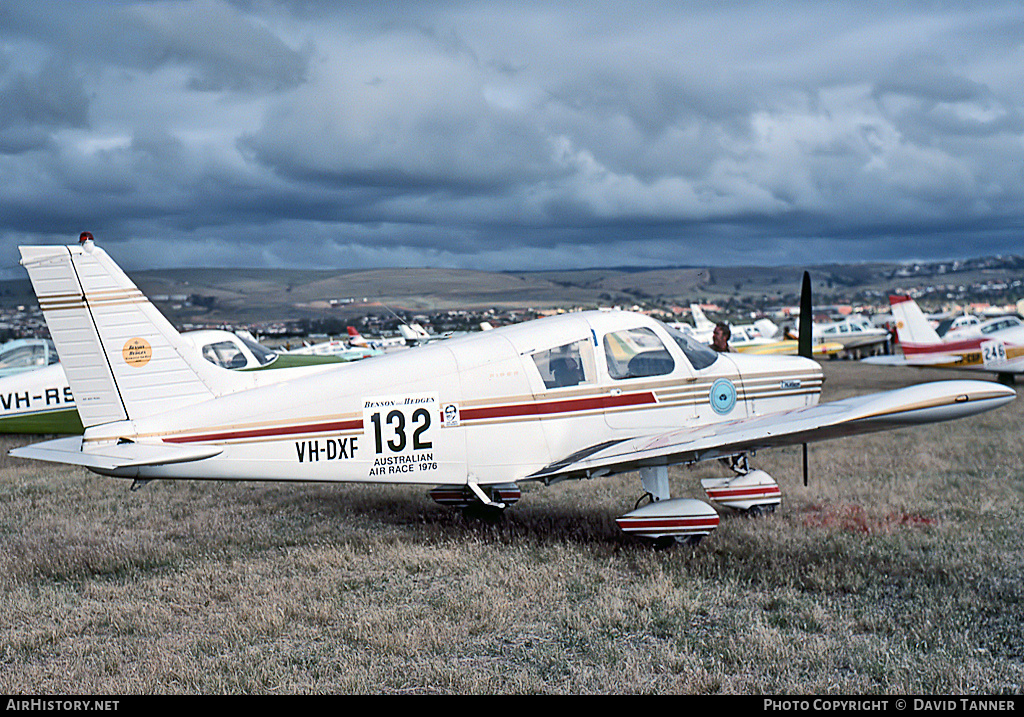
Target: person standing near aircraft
(720,339)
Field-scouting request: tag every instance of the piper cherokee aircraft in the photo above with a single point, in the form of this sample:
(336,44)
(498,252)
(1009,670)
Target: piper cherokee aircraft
(996,346)
(578,395)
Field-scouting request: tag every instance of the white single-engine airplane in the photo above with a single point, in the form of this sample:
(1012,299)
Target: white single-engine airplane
(995,346)
(578,395)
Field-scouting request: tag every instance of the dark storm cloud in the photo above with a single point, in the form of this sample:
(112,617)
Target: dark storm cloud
(222,48)
(497,135)
(35,104)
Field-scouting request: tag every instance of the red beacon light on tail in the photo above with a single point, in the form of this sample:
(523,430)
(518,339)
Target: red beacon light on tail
(84,237)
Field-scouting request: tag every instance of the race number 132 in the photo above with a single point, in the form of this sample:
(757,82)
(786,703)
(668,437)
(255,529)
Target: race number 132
(400,425)
(395,431)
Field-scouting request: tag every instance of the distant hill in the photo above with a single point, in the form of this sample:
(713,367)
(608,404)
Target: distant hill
(247,295)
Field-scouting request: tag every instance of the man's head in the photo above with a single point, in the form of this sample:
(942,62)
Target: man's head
(720,338)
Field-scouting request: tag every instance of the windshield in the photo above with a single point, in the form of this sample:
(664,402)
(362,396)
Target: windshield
(699,355)
(261,352)
(27,356)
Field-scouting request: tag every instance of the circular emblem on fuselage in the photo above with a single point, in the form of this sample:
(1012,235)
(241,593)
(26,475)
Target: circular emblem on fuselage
(137,352)
(723,396)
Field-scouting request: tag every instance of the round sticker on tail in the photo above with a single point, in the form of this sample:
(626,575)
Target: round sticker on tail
(723,396)
(137,352)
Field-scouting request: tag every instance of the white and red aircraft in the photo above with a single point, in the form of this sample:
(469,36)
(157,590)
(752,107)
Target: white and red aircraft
(995,346)
(578,395)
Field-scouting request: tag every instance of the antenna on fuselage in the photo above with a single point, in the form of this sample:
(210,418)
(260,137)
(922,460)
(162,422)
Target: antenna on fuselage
(804,336)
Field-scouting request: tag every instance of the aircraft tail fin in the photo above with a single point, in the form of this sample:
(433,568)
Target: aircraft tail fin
(911,325)
(355,338)
(413,333)
(768,328)
(700,321)
(123,359)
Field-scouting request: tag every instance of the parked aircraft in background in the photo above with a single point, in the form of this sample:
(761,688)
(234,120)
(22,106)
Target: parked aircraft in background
(855,333)
(415,334)
(743,335)
(761,338)
(703,327)
(997,348)
(959,326)
(789,347)
(382,344)
(579,395)
(342,350)
(41,401)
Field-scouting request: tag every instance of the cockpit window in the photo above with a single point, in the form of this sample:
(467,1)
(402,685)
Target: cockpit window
(261,352)
(568,365)
(699,355)
(24,356)
(1001,325)
(634,353)
(224,354)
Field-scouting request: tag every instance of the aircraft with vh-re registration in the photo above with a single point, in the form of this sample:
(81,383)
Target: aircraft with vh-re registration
(578,395)
(40,400)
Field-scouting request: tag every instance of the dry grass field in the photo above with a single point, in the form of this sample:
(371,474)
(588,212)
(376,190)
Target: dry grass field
(898,570)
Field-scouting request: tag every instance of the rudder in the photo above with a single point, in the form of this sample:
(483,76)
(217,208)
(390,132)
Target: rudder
(911,325)
(123,359)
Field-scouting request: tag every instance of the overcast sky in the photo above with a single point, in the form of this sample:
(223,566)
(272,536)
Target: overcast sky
(512,135)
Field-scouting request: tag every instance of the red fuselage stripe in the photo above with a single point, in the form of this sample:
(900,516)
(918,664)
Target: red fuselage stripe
(545,408)
(542,408)
(646,523)
(268,432)
(951,347)
(741,492)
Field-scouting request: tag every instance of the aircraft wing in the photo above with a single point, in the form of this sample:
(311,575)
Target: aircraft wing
(111,457)
(948,360)
(926,403)
(921,361)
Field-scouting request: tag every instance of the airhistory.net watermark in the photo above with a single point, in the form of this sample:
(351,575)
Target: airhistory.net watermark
(55,705)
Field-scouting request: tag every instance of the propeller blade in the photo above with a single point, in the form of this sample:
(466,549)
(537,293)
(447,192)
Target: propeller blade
(805,335)
(806,322)
(805,465)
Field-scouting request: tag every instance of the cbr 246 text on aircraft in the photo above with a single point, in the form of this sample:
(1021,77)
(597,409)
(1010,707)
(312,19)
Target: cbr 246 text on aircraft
(572,396)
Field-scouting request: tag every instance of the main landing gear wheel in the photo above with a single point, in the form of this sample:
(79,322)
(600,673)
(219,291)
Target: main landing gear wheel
(479,503)
(667,542)
(485,513)
(665,520)
(758,510)
(750,492)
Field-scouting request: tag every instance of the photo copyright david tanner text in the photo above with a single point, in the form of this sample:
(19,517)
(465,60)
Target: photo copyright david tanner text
(893,704)
(53,705)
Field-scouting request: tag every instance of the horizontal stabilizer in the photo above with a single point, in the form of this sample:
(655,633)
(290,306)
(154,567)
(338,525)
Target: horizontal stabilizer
(114,456)
(925,403)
